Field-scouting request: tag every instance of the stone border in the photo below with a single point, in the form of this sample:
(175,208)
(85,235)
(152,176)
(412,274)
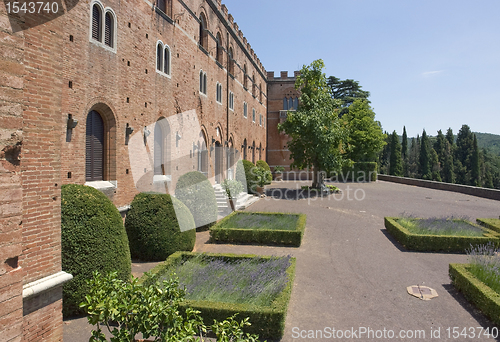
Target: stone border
(493,194)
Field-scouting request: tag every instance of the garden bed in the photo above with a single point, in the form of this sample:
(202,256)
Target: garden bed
(260,228)
(220,285)
(491,223)
(440,240)
(486,299)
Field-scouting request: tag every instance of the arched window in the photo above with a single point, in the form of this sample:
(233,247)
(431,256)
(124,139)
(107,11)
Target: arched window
(245,146)
(162,148)
(108,29)
(245,81)
(290,103)
(166,60)
(218,41)
(203,82)
(245,110)
(165,6)
(231,61)
(253,114)
(296,103)
(285,103)
(203,32)
(159,56)
(96,22)
(94,147)
(218,96)
(260,151)
(253,152)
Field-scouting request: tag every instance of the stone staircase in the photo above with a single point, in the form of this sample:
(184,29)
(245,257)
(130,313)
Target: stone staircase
(243,201)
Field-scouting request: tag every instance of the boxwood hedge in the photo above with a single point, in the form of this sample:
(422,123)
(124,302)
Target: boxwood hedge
(418,242)
(487,300)
(291,237)
(267,321)
(262,164)
(491,223)
(196,192)
(92,238)
(153,227)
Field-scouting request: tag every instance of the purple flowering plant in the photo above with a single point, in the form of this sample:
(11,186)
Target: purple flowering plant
(255,281)
(485,264)
(447,225)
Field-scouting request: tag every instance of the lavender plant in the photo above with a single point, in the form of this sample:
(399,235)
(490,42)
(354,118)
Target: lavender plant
(448,225)
(485,264)
(254,281)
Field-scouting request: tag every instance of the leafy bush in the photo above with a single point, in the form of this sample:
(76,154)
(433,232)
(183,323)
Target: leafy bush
(232,187)
(152,310)
(263,165)
(196,192)
(153,226)
(241,175)
(92,238)
(250,176)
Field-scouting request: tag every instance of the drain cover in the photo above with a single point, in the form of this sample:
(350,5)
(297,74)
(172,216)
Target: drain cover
(422,292)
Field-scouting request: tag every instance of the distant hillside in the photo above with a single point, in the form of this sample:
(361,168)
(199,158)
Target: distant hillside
(489,141)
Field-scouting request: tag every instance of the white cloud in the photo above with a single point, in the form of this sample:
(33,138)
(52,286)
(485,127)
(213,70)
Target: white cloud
(431,73)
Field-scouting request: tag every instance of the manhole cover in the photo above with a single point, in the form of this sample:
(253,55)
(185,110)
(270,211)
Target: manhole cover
(422,292)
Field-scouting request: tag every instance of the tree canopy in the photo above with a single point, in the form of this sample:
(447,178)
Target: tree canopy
(346,91)
(317,134)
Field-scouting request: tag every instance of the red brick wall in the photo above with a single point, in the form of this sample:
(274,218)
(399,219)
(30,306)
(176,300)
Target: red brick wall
(102,76)
(11,84)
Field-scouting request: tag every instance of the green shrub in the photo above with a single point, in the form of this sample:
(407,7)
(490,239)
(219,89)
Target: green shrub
(262,164)
(487,300)
(196,192)
(418,242)
(153,226)
(267,236)
(267,321)
(92,238)
(240,175)
(491,223)
(359,172)
(250,176)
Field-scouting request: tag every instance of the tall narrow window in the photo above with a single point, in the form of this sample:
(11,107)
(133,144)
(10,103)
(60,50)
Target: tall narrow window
(219,93)
(254,86)
(203,32)
(219,48)
(231,61)
(166,61)
(205,83)
(161,4)
(94,147)
(245,81)
(285,103)
(231,100)
(96,22)
(253,114)
(245,110)
(260,119)
(108,29)
(201,81)
(159,57)
(260,92)
(290,103)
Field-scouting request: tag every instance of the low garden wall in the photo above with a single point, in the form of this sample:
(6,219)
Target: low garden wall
(464,189)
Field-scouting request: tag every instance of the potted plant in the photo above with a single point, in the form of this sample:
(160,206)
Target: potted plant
(233,189)
(261,178)
(278,171)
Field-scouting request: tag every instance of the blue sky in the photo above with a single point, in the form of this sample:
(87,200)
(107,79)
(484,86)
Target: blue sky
(427,64)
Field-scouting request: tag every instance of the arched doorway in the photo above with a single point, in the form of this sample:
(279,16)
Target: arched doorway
(94,147)
(253,152)
(218,162)
(162,167)
(245,147)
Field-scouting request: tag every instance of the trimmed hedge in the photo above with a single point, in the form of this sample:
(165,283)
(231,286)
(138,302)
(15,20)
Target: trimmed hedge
(487,300)
(493,224)
(267,321)
(240,175)
(92,238)
(260,236)
(251,177)
(262,164)
(359,172)
(196,192)
(153,227)
(418,242)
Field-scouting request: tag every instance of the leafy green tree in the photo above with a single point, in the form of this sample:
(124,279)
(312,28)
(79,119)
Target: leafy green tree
(347,91)
(318,137)
(395,165)
(365,138)
(424,158)
(384,155)
(450,137)
(463,153)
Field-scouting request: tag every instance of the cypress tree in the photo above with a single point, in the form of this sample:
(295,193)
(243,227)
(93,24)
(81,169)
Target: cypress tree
(448,174)
(450,137)
(395,166)
(404,145)
(463,154)
(474,172)
(424,159)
